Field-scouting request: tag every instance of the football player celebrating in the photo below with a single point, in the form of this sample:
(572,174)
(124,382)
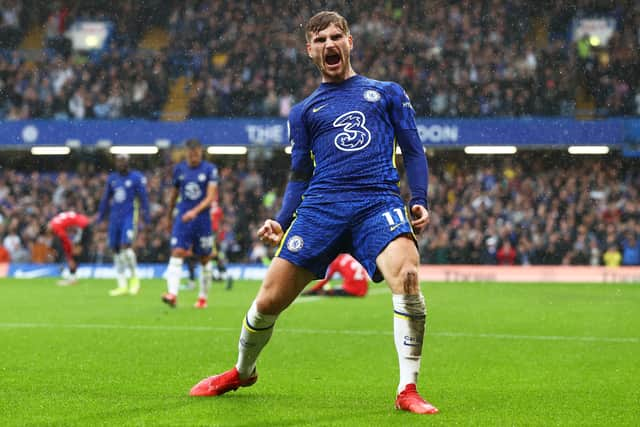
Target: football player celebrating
(343,196)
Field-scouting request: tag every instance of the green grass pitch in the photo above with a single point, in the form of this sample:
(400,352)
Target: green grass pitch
(495,354)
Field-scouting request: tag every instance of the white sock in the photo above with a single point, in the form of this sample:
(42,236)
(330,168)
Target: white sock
(174,274)
(256,331)
(205,280)
(131,261)
(120,264)
(409,315)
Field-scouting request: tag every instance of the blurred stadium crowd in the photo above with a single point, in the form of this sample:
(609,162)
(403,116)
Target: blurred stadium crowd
(29,200)
(511,211)
(456,58)
(535,210)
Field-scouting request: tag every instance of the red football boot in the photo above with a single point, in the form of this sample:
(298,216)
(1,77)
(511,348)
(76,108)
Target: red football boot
(220,384)
(410,400)
(201,303)
(169,299)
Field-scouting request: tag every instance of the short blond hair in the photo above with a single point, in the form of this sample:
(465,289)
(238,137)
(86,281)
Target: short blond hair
(322,20)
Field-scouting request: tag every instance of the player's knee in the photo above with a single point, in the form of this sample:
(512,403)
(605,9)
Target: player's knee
(267,304)
(409,280)
(179,253)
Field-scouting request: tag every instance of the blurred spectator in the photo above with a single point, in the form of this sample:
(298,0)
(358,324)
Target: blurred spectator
(594,253)
(5,257)
(42,250)
(13,244)
(612,257)
(258,253)
(506,255)
(630,250)
(438,251)
(489,255)
(458,252)
(10,29)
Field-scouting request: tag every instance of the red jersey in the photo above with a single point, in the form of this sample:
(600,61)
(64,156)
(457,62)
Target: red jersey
(59,225)
(68,219)
(355,279)
(506,256)
(216,218)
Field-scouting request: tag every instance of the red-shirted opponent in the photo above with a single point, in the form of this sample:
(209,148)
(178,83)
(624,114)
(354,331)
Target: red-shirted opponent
(217,217)
(61,225)
(355,279)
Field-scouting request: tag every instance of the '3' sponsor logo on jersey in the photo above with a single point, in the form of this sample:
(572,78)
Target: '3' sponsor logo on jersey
(355,135)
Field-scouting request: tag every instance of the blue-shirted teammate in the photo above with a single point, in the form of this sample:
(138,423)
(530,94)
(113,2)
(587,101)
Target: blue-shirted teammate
(125,191)
(343,196)
(195,181)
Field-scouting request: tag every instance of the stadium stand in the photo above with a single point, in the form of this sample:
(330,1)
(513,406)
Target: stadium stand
(548,215)
(456,58)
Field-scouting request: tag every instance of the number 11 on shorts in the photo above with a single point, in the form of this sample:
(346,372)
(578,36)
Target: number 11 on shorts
(392,221)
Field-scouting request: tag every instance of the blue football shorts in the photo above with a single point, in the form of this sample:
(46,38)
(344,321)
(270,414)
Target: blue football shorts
(195,235)
(121,232)
(321,231)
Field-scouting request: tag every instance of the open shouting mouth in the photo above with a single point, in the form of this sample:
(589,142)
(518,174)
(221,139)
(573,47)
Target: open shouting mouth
(332,60)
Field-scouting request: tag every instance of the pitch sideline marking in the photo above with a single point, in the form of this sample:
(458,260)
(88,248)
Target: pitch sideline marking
(633,340)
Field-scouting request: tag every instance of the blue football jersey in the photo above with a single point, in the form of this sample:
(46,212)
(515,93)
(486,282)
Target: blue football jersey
(192,184)
(344,134)
(121,193)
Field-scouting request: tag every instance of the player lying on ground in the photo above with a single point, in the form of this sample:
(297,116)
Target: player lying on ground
(355,281)
(344,192)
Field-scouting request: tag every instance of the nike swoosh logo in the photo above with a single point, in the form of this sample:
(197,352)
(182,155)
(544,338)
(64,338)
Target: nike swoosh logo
(393,227)
(315,110)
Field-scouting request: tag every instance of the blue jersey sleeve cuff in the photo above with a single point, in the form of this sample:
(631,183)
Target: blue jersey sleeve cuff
(418,201)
